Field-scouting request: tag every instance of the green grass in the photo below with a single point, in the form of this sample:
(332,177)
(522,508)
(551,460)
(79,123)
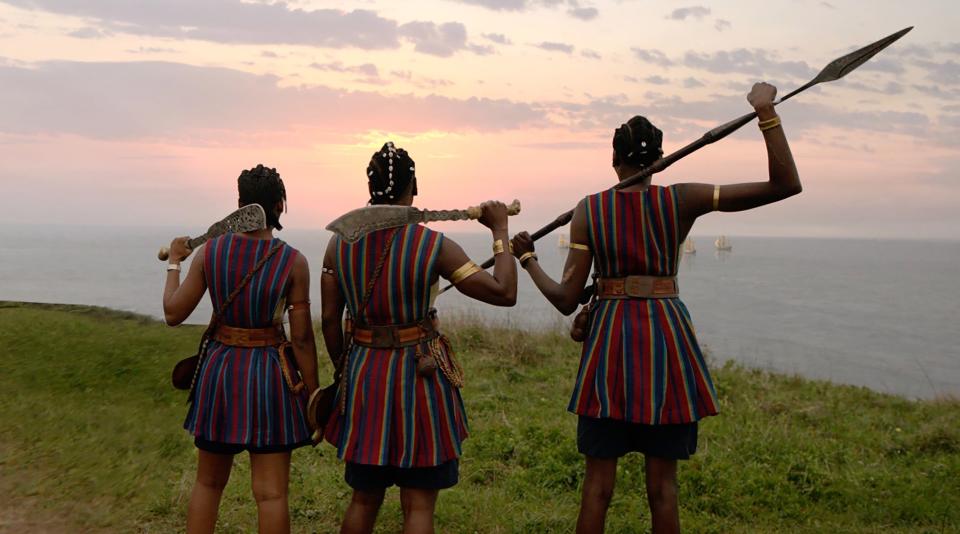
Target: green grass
(90,437)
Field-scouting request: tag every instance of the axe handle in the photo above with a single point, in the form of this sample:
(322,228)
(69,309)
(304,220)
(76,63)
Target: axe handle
(164,252)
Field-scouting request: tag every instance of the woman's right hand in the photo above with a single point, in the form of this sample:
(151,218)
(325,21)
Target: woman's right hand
(521,244)
(494,215)
(179,249)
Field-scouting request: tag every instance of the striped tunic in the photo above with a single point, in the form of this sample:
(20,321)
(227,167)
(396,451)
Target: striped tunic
(641,362)
(392,416)
(241,396)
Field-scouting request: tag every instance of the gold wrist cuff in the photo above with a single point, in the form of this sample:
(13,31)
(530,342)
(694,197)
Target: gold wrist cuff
(498,247)
(716,197)
(578,246)
(769,124)
(526,256)
(465,271)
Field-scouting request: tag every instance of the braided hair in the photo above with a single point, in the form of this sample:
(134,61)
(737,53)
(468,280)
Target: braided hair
(262,185)
(390,172)
(637,143)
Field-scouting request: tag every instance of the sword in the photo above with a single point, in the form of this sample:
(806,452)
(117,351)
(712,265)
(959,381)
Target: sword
(357,223)
(246,219)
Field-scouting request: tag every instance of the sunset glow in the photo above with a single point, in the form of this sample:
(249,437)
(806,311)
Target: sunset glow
(143,113)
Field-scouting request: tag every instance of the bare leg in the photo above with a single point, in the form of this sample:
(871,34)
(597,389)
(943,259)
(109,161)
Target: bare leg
(362,512)
(598,486)
(662,495)
(270,474)
(418,508)
(213,472)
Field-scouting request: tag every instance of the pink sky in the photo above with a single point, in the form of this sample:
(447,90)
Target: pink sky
(143,113)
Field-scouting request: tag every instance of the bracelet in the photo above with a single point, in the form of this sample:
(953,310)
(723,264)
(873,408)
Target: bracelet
(527,256)
(769,124)
(578,246)
(498,247)
(173,267)
(716,197)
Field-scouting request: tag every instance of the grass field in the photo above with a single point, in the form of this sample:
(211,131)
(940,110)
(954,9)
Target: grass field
(91,441)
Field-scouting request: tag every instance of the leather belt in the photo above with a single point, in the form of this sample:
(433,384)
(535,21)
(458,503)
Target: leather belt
(250,337)
(638,287)
(395,336)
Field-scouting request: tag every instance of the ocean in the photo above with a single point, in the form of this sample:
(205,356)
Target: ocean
(876,313)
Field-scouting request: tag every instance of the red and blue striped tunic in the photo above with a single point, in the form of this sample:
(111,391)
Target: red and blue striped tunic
(641,361)
(241,396)
(393,416)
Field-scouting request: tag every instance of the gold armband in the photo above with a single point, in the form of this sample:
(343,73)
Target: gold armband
(466,271)
(578,246)
(716,197)
(769,124)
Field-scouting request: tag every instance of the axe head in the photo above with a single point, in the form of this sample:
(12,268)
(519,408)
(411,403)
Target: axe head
(357,223)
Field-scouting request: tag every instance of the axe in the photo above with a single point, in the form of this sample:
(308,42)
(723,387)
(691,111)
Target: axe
(355,224)
(246,219)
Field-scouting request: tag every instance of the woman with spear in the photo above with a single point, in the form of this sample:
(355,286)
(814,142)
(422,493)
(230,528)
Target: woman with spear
(643,383)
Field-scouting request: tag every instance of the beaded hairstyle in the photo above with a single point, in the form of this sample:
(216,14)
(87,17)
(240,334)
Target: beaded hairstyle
(262,185)
(637,143)
(390,172)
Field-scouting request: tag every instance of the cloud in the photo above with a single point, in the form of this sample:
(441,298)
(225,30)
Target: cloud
(746,61)
(556,47)
(88,33)
(498,38)
(656,80)
(269,54)
(574,8)
(682,13)
(590,54)
(652,56)
(691,83)
(721,24)
(366,69)
(583,13)
(259,23)
(437,40)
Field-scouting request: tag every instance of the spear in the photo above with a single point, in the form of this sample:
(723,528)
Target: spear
(836,69)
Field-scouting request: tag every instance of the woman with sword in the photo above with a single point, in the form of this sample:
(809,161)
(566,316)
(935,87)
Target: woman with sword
(399,418)
(643,383)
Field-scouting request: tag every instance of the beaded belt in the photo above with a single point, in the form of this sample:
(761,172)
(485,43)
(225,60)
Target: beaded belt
(395,336)
(638,287)
(250,337)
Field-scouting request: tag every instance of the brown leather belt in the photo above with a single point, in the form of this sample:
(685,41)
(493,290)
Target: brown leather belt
(638,287)
(250,337)
(394,336)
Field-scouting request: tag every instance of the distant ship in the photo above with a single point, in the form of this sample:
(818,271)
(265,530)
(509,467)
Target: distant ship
(723,244)
(563,241)
(689,247)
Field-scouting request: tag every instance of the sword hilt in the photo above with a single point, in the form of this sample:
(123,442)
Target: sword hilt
(474,212)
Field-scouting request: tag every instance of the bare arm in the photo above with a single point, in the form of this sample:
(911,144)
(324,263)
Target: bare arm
(697,199)
(564,295)
(301,324)
(500,288)
(179,300)
(333,303)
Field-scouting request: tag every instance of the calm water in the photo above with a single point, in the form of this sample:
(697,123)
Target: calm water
(882,314)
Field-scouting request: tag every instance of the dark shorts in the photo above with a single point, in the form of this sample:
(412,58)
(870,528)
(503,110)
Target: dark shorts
(363,477)
(611,438)
(217,447)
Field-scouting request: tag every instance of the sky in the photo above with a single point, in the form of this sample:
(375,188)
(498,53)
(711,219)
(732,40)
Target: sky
(143,113)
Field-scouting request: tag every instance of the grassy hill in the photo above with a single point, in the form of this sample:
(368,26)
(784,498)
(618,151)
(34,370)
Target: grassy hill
(91,440)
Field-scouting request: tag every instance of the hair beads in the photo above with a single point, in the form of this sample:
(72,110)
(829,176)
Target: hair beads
(390,172)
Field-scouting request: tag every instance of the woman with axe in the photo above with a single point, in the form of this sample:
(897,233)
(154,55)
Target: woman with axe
(643,383)
(246,395)
(398,418)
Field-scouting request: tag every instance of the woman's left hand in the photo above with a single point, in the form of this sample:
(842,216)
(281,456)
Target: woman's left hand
(762,95)
(522,243)
(179,249)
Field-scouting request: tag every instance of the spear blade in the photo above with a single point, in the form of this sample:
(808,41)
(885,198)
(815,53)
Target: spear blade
(840,67)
